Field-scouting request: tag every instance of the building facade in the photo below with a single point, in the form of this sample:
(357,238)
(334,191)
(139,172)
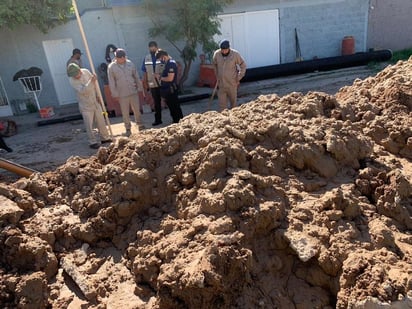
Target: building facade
(263,31)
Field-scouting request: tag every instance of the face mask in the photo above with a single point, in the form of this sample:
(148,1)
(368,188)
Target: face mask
(227,54)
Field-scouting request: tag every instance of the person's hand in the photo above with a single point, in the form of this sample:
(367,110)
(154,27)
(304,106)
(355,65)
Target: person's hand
(94,78)
(145,85)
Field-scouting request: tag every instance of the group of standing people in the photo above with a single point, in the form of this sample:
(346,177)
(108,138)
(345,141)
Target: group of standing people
(160,74)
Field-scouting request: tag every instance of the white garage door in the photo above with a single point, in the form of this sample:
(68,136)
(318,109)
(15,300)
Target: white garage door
(254,34)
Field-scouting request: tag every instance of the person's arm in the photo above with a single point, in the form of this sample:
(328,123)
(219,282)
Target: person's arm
(138,81)
(112,82)
(214,59)
(241,67)
(79,87)
(144,79)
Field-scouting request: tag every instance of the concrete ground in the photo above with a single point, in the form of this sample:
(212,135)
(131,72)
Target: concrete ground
(44,148)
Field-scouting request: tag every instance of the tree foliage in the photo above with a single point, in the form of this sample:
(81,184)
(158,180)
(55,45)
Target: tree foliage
(185,24)
(43,14)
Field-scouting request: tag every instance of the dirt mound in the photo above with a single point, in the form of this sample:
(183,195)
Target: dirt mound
(301,201)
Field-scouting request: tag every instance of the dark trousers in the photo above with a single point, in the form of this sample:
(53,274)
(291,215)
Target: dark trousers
(4,146)
(172,102)
(157,103)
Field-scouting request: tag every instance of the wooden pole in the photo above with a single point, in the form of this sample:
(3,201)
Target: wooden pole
(16,168)
(86,45)
(209,105)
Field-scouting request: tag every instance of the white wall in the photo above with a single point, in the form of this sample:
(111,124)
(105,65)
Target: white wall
(25,49)
(321,24)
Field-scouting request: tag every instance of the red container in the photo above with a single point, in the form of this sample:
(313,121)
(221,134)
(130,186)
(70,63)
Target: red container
(348,45)
(207,77)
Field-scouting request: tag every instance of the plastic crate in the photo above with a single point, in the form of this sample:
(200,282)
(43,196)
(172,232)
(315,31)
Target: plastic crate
(46,112)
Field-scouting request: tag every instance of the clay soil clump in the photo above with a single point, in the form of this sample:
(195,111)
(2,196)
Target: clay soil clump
(300,201)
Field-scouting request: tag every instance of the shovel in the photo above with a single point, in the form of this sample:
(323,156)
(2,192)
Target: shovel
(212,97)
(297,47)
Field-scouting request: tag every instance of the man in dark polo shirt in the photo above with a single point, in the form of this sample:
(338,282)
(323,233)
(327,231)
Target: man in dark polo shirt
(168,85)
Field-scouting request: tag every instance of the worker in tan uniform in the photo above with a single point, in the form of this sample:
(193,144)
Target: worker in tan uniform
(84,83)
(75,58)
(124,83)
(230,67)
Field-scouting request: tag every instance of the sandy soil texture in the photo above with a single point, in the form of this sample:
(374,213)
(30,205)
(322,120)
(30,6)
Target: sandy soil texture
(289,201)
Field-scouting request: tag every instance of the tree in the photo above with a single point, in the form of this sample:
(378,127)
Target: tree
(43,14)
(185,24)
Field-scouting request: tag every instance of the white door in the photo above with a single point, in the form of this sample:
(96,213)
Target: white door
(57,53)
(5,108)
(254,34)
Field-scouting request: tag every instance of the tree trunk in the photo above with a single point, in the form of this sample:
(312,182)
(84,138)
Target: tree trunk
(185,75)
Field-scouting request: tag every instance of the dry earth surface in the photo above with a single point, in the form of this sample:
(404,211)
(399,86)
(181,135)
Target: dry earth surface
(296,200)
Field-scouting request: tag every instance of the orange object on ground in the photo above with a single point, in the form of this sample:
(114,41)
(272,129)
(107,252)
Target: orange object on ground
(46,112)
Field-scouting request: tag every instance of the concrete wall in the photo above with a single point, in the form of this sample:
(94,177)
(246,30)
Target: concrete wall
(321,24)
(125,27)
(390,25)
(25,49)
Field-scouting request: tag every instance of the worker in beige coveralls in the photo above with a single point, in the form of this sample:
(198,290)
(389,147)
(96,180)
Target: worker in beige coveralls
(125,83)
(230,68)
(84,84)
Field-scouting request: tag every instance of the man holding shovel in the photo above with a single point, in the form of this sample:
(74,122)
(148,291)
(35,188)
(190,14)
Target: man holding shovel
(84,84)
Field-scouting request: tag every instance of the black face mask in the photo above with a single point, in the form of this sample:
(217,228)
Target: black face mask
(225,55)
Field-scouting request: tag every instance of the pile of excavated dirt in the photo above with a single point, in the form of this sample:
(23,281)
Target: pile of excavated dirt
(301,201)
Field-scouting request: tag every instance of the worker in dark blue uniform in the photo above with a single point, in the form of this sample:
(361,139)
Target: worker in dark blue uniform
(168,85)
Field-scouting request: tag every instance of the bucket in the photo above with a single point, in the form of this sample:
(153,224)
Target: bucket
(348,45)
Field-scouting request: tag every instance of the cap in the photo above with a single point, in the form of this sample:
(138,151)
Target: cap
(72,70)
(152,44)
(77,51)
(120,53)
(160,53)
(224,44)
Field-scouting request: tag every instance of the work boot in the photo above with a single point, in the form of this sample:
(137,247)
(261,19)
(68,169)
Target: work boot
(128,133)
(156,123)
(105,141)
(94,146)
(4,146)
(8,149)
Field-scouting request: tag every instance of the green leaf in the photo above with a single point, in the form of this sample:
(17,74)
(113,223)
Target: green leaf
(186,24)
(42,14)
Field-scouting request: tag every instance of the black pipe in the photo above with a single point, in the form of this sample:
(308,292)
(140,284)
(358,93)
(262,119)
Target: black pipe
(323,64)
(59,120)
(193,97)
